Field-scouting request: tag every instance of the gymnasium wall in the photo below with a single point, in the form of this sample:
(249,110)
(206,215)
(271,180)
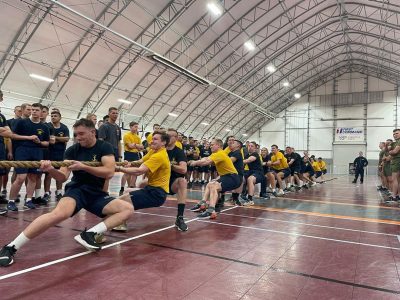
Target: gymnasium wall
(310,123)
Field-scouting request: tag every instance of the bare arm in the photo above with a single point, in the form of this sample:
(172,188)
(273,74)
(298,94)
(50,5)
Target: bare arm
(180,168)
(249,160)
(143,169)
(205,161)
(105,171)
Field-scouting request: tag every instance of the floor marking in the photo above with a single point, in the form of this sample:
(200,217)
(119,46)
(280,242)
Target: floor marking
(57,261)
(302,212)
(308,224)
(298,234)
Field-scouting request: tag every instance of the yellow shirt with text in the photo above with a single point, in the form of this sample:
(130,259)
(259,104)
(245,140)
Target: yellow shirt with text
(316,167)
(159,168)
(223,163)
(283,164)
(322,165)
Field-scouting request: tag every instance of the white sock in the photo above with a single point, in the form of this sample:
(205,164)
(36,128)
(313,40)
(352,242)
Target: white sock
(19,241)
(46,193)
(99,228)
(28,199)
(59,192)
(37,193)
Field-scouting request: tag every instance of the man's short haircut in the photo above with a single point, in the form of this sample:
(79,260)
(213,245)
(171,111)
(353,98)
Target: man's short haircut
(133,123)
(24,105)
(56,113)
(112,108)
(254,143)
(219,142)
(164,136)
(174,130)
(85,123)
(276,146)
(320,158)
(89,115)
(45,107)
(37,105)
(147,134)
(106,117)
(154,125)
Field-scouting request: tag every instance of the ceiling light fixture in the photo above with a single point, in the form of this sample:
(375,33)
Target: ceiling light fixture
(227,129)
(297,95)
(40,77)
(178,68)
(204,123)
(173,115)
(214,8)
(244,134)
(124,101)
(250,45)
(263,112)
(271,68)
(285,84)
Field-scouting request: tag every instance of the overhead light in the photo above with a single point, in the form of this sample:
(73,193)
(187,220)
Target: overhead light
(173,115)
(214,8)
(40,77)
(250,45)
(204,123)
(264,113)
(244,134)
(227,129)
(297,96)
(285,84)
(271,68)
(178,68)
(125,101)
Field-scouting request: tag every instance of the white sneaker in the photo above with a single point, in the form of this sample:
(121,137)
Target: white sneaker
(281,192)
(123,227)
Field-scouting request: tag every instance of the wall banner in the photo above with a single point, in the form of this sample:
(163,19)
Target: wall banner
(349,134)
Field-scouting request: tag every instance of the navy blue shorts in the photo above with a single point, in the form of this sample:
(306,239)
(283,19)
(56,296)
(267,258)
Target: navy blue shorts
(213,168)
(318,174)
(46,153)
(116,154)
(286,172)
(230,182)
(3,156)
(131,156)
(171,181)
(89,198)
(30,154)
(295,170)
(324,171)
(204,169)
(149,196)
(257,174)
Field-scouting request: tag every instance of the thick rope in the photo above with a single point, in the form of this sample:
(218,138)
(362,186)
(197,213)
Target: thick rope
(56,164)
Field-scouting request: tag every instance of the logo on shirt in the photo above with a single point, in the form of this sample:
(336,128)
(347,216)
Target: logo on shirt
(39,131)
(94,157)
(61,134)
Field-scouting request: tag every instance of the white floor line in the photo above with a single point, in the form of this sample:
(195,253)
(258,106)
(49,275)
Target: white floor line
(298,234)
(57,261)
(313,225)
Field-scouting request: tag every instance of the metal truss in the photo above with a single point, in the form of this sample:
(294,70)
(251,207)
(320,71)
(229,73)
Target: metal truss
(21,39)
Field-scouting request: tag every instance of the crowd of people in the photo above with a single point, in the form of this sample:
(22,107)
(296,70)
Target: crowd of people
(167,161)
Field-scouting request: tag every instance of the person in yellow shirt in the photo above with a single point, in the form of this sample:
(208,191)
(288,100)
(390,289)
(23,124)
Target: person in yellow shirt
(178,142)
(149,138)
(316,167)
(157,167)
(229,179)
(280,170)
(132,147)
(322,166)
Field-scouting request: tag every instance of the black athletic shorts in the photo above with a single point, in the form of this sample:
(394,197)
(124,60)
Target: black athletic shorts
(149,196)
(257,174)
(131,156)
(204,169)
(89,198)
(31,154)
(286,172)
(324,171)
(171,182)
(230,182)
(318,174)
(295,170)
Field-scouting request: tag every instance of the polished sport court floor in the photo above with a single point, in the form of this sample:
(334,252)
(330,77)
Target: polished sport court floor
(334,241)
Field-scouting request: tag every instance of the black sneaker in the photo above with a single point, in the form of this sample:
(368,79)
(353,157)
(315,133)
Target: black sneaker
(180,224)
(208,214)
(354,181)
(45,200)
(7,255)
(88,240)
(3,211)
(36,200)
(121,192)
(58,197)
(199,207)
(264,195)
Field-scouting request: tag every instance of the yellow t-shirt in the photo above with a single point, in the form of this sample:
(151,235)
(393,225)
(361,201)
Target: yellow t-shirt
(160,168)
(283,164)
(179,144)
(131,138)
(149,138)
(322,165)
(223,163)
(315,166)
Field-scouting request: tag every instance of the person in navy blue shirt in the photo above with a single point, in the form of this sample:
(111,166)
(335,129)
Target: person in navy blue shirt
(32,135)
(56,151)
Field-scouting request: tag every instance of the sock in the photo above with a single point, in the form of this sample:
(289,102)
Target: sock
(28,199)
(59,192)
(210,208)
(235,196)
(46,193)
(19,241)
(37,193)
(181,209)
(11,200)
(99,228)
(250,197)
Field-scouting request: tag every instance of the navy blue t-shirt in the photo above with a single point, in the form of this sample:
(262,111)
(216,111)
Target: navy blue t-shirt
(255,165)
(27,127)
(238,164)
(62,131)
(3,123)
(95,153)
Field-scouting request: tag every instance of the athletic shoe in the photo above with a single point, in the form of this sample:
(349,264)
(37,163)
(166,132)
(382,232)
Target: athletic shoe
(354,181)
(275,194)
(3,211)
(202,182)
(243,198)
(208,214)
(58,197)
(88,240)
(238,203)
(180,224)
(35,200)
(297,188)
(248,203)
(199,207)
(313,183)
(3,200)
(264,195)
(100,238)
(280,193)
(45,200)
(4,193)
(11,206)
(121,192)
(29,204)
(7,255)
(123,227)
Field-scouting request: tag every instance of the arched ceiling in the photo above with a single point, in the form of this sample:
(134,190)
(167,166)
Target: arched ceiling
(98,51)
